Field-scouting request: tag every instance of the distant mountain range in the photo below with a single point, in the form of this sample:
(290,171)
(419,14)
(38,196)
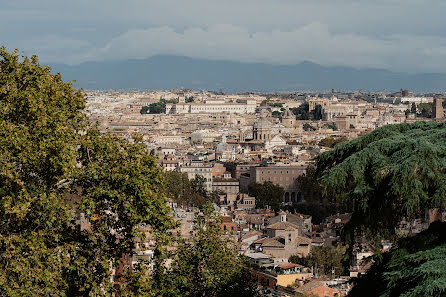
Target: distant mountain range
(169,72)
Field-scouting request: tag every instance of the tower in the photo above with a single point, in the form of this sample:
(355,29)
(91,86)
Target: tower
(287,118)
(437,109)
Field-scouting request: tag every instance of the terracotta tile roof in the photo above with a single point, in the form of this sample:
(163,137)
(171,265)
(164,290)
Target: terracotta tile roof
(282,226)
(317,288)
(251,234)
(260,240)
(310,286)
(289,265)
(272,242)
(303,240)
(227,219)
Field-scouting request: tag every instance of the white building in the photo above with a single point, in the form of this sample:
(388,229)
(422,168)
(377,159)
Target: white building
(212,106)
(203,170)
(203,136)
(169,139)
(276,141)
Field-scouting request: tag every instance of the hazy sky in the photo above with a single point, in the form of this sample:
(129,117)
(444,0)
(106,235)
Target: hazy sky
(399,35)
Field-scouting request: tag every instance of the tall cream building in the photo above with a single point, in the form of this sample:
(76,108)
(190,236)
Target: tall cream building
(213,106)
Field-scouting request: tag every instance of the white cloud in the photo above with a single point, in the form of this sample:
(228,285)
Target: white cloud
(313,42)
(403,35)
(54,48)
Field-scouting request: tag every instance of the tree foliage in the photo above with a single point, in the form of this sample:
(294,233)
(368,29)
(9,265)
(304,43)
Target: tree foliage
(144,110)
(331,126)
(331,141)
(301,112)
(416,267)
(53,166)
(325,260)
(317,112)
(276,114)
(207,265)
(266,193)
(424,110)
(157,107)
(395,171)
(308,127)
(184,191)
(413,108)
(198,185)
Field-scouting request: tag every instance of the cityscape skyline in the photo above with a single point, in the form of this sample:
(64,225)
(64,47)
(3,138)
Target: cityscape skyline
(196,148)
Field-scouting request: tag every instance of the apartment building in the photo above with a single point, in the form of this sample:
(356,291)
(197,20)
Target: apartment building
(212,106)
(205,170)
(283,175)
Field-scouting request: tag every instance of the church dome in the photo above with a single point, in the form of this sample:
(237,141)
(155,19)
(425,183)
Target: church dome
(287,114)
(262,123)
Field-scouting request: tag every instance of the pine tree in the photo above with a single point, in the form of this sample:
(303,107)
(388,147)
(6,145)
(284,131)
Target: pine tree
(395,171)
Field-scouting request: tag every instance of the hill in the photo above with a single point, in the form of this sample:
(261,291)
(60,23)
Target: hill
(168,72)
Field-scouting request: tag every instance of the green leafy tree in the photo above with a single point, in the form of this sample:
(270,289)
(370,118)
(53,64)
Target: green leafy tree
(301,112)
(209,265)
(206,265)
(331,126)
(316,204)
(198,185)
(158,107)
(53,166)
(309,186)
(178,186)
(308,127)
(183,191)
(393,172)
(266,193)
(317,112)
(325,260)
(332,141)
(413,108)
(415,268)
(425,110)
(276,114)
(144,110)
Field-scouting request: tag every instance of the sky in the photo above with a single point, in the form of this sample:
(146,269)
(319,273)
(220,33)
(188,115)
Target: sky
(397,35)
